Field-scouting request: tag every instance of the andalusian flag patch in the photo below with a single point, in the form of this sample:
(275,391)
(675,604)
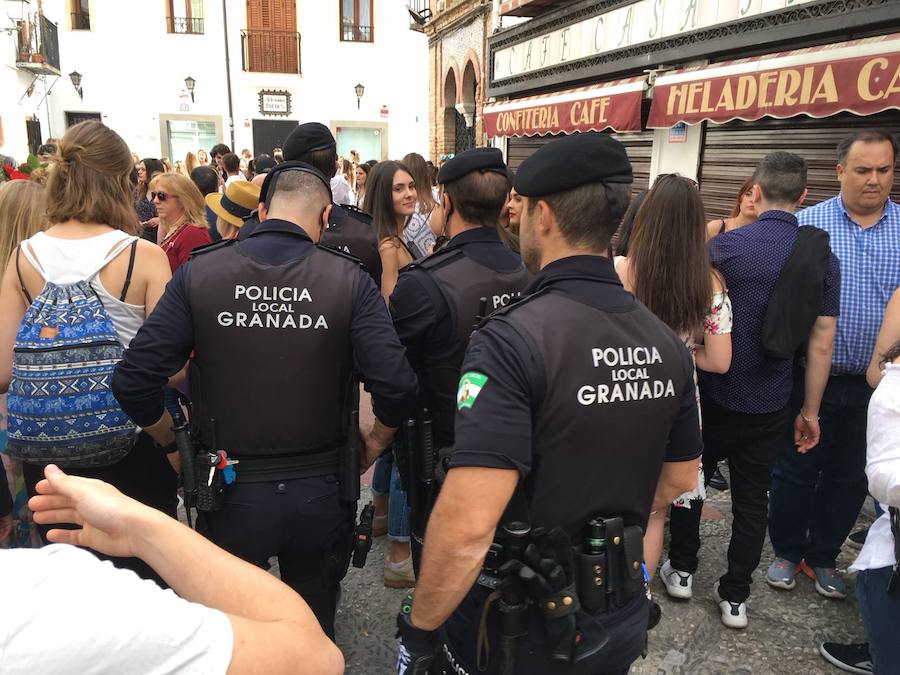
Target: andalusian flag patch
(470,385)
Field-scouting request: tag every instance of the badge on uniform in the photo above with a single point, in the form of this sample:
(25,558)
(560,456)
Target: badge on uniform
(470,385)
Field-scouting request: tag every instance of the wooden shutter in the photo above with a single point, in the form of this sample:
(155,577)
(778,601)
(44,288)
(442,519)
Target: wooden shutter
(272,36)
(732,151)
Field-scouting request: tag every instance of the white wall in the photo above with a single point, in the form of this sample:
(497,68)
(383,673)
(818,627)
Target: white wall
(681,157)
(133,72)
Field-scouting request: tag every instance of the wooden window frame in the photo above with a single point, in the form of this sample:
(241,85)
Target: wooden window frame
(188,18)
(356,23)
(76,10)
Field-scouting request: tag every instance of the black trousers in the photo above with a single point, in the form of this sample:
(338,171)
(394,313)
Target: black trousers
(143,474)
(750,443)
(303,522)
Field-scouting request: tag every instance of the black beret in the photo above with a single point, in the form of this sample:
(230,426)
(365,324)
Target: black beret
(476,159)
(264,163)
(573,161)
(307,138)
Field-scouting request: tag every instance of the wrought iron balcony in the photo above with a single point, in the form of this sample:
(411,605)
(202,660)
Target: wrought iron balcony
(419,14)
(270,51)
(185,25)
(37,46)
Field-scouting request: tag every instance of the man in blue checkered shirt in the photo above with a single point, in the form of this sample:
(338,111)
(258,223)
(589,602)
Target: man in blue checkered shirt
(816,497)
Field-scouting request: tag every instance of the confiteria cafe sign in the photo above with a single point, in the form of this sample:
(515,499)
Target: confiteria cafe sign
(639,22)
(862,77)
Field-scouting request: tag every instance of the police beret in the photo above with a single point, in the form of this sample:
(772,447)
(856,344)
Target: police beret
(476,159)
(573,161)
(307,138)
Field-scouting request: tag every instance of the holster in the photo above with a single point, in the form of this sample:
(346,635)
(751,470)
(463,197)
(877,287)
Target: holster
(592,574)
(614,577)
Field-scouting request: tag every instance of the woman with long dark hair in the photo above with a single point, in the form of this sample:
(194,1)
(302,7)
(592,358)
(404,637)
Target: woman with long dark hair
(361,177)
(147,168)
(391,198)
(428,220)
(668,270)
(743,212)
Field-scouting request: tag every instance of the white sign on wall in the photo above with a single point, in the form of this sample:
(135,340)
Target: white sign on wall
(642,21)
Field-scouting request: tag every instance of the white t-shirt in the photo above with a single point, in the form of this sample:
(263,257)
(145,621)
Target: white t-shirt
(340,189)
(65,611)
(882,468)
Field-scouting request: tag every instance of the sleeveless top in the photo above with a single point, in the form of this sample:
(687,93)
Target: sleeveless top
(65,261)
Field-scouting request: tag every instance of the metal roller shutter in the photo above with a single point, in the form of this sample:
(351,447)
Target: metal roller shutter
(638,145)
(731,152)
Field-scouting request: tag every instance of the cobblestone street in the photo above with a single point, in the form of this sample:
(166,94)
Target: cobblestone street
(783,636)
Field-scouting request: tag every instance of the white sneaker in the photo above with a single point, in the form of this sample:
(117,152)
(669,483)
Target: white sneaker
(734,614)
(678,584)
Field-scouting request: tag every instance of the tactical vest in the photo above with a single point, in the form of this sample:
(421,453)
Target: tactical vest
(350,230)
(461,282)
(612,384)
(272,353)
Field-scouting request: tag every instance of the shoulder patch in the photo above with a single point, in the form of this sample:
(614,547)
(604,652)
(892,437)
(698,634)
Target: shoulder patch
(470,385)
(206,248)
(339,252)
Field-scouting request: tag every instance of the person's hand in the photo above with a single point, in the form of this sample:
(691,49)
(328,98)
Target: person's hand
(106,516)
(153,222)
(370,450)
(5,524)
(806,432)
(416,648)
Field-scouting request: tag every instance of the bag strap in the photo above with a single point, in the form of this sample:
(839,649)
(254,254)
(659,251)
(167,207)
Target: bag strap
(19,274)
(130,270)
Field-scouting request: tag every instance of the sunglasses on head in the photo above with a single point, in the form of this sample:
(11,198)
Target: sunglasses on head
(161,196)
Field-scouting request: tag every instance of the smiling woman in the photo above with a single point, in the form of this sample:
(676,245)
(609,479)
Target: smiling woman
(391,198)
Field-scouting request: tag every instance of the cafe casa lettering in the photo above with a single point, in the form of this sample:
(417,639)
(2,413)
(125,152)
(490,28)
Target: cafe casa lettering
(863,85)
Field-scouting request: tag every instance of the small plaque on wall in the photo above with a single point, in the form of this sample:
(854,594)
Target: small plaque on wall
(275,102)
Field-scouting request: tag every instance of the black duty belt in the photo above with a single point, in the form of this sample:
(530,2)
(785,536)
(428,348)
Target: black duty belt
(256,469)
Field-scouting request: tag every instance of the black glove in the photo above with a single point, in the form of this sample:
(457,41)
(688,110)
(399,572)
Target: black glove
(416,648)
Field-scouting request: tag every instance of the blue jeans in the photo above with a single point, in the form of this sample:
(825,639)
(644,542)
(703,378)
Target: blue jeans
(386,480)
(816,497)
(880,613)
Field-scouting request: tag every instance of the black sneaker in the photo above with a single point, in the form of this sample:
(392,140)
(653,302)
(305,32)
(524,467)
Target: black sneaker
(858,538)
(852,658)
(717,481)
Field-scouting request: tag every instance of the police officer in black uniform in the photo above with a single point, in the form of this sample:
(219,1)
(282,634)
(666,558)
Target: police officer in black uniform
(576,417)
(275,323)
(437,302)
(349,228)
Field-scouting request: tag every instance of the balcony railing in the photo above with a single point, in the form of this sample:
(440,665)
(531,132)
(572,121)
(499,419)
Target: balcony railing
(268,51)
(419,14)
(81,21)
(37,45)
(185,25)
(355,33)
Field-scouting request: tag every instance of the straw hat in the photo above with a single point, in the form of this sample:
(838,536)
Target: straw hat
(241,197)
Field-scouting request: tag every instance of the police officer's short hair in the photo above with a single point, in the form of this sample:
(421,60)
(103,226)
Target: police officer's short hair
(781,177)
(588,215)
(299,186)
(478,196)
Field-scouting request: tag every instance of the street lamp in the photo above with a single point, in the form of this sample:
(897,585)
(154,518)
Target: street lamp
(360,90)
(75,76)
(190,82)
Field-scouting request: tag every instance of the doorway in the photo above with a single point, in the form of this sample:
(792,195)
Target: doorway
(73,118)
(270,134)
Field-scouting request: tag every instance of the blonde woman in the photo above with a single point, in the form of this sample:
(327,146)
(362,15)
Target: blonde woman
(91,231)
(190,163)
(182,217)
(21,215)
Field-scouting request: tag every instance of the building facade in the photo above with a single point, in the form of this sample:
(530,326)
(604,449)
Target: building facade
(702,87)
(172,76)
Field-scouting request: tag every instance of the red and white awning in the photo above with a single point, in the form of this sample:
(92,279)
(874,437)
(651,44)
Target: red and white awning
(860,76)
(614,105)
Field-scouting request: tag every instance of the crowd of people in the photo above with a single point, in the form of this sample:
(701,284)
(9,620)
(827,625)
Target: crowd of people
(789,316)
